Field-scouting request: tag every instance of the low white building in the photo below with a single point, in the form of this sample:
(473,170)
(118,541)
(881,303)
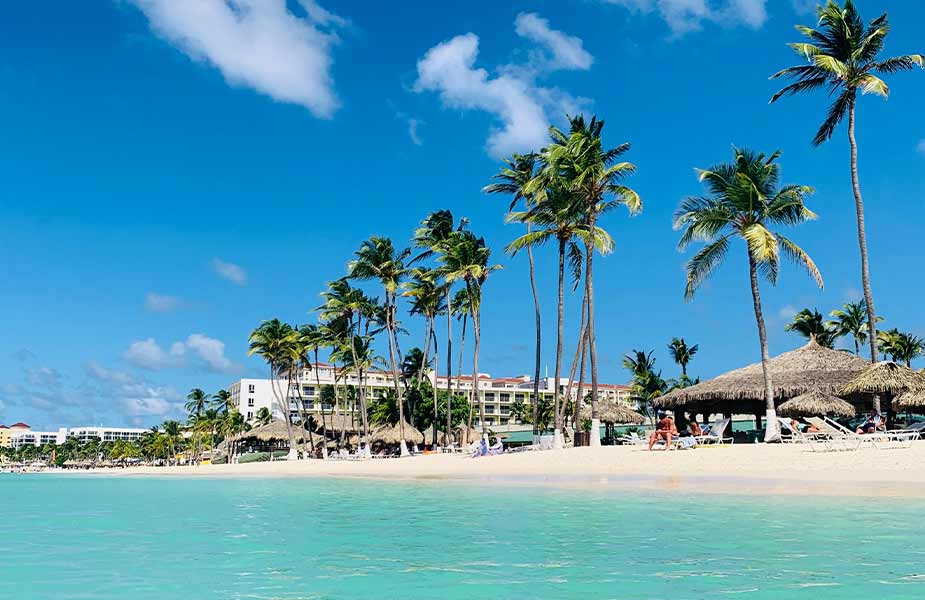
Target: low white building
(499,394)
(20,435)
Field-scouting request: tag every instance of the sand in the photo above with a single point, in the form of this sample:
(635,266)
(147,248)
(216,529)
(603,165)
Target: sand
(733,469)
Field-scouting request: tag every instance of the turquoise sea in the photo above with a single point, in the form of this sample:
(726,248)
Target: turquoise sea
(69,537)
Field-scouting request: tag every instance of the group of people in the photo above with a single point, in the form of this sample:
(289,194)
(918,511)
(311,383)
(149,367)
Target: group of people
(667,430)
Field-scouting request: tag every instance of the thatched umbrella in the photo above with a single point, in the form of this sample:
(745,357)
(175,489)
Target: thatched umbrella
(814,403)
(614,412)
(391,434)
(441,436)
(911,400)
(811,367)
(466,435)
(275,431)
(884,378)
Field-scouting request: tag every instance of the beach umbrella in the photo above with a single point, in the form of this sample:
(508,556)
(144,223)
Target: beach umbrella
(274,431)
(466,435)
(391,434)
(614,413)
(885,377)
(810,367)
(441,436)
(814,403)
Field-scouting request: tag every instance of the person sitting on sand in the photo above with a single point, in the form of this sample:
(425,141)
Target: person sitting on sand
(871,424)
(665,429)
(694,427)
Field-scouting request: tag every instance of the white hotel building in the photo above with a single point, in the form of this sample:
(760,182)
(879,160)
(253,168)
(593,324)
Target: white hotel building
(20,434)
(499,394)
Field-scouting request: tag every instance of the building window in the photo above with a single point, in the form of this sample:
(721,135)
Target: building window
(250,401)
(489,395)
(250,388)
(250,415)
(519,397)
(308,390)
(505,397)
(489,410)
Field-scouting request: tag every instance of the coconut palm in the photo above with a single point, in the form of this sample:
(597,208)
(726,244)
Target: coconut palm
(222,401)
(172,437)
(745,201)
(513,180)
(810,324)
(465,258)
(378,259)
(851,319)
(579,163)
(431,237)
(901,347)
(263,416)
(273,341)
(462,307)
(843,58)
(557,219)
(682,354)
(196,402)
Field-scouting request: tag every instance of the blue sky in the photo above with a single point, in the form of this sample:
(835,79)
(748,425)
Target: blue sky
(173,173)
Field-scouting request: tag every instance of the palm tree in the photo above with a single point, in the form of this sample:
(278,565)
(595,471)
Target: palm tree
(810,324)
(172,437)
(197,401)
(431,237)
(557,219)
(313,339)
(221,400)
(378,259)
(263,416)
(901,347)
(851,319)
(745,200)
(682,354)
(462,307)
(843,57)
(427,300)
(273,340)
(647,383)
(465,259)
(579,164)
(513,180)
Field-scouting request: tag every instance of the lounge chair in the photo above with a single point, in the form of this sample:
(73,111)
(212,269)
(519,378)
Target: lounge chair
(790,434)
(496,448)
(633,439)
(715,433)
(881,440)
(834,436)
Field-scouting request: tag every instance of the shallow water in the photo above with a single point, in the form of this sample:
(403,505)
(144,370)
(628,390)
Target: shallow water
(103,538)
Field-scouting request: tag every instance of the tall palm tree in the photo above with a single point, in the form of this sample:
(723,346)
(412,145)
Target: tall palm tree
(810,324)
(427,300)
(579,163)
(557,219)
(745,200)
(901,347)
(221,401)
(513,180)
(465,259)
(843,57)
(851,319)
(462,308)
(273,341)
(432,237)
(172,437)
(313,339)
(682,354)
(378,259)
(196,402)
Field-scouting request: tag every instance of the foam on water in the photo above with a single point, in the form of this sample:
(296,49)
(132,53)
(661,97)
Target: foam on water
(104,538)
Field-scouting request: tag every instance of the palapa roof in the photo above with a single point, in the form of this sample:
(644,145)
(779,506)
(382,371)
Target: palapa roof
(815,402)
(613,412)
(271,432)
(885,377)
(910,400)
(441,436)
(391,434)
(792,373)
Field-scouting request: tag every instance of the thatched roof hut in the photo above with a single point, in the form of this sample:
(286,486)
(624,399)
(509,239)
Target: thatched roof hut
(441,436)
(466,435)
(811,367)
(815,402)
(391,434)
(912,400)
(275,431)
(884,378)
(613,412)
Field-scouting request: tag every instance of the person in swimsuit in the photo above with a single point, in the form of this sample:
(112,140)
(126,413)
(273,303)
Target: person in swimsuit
(665,429)
(871,424)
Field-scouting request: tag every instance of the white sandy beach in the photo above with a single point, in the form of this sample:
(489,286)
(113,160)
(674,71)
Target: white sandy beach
(736,469)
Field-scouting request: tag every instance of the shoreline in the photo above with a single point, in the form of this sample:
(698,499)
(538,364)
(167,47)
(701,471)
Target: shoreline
(745,469)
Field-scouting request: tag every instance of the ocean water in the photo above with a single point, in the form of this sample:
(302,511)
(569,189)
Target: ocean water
(70,537)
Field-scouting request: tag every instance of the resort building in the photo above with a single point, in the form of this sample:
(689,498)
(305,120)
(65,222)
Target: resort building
(21,434)
(499,394)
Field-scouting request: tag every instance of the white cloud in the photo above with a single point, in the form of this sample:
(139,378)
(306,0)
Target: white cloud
(258,44)
(134,397)
(787,312)
(413,125)
(920,147)
(198,351)
(230,271)
(513,95)
(161,302)
(683,16)
(806,7)
(148,354)
(567,51)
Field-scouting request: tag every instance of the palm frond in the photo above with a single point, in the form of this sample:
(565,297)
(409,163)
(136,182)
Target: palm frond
(800,257)
(702,264)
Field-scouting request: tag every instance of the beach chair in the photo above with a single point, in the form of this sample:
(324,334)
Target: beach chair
(715,433)
(791,435)
(633,439)
(882,440)
(834,436)
(496,448)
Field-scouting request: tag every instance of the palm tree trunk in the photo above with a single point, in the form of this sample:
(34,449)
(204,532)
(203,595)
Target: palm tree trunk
(477,330)
(536,372)
(433,335)
(772,428)
(449,366)
(579,354)
(324,425)
(862,243)
(592,344)
(580,397)
(390,330)
(560,318)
